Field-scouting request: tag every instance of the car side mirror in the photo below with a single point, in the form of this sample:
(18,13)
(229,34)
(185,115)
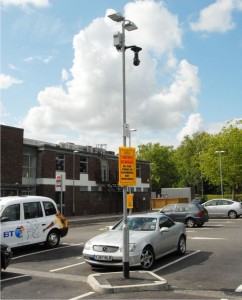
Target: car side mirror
(4,219)
(109,227)
(164,229)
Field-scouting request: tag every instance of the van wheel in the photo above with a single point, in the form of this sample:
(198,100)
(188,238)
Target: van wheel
(53,239)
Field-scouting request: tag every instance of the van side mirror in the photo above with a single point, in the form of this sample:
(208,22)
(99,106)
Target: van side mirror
(4,219)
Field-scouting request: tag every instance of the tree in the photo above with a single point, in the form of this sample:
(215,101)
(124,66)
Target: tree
(163,167)
(187,157)
(229,140)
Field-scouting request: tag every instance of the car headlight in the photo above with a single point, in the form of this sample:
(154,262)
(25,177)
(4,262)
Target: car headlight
(88,245)
(132,247)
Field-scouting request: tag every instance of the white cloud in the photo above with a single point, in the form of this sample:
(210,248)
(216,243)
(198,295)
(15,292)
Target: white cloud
(44,59)
(65,75)
(25,3)
(12,67)
(217,17)
(193,125)
(7,81)
(90,104)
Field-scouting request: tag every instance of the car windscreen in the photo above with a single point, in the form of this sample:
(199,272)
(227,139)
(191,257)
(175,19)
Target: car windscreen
(138,224)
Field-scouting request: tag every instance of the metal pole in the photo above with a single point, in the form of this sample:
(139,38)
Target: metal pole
(130,210)
(125,226)
(61,199)
(220,167)
(73,183)
(221,177)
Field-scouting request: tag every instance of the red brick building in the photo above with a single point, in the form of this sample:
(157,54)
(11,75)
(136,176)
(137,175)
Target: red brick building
(81,179)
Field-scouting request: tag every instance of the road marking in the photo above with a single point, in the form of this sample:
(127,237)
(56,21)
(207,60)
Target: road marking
(16,277)
(43,251)
(171,263)
(239,289)
(206,238)
(66,267)
(82,296)
(52,276)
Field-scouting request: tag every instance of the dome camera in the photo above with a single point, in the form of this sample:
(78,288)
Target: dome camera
(136,50)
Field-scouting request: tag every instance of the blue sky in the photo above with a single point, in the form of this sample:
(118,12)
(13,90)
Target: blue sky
(61,77)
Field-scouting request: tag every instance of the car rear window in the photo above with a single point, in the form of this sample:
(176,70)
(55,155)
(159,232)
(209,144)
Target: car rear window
(200,207)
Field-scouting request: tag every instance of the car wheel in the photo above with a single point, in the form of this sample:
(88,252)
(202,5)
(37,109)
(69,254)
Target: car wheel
(53,239)
(181,247)
(200,224)
(147,258)
(190,223)
(232,214)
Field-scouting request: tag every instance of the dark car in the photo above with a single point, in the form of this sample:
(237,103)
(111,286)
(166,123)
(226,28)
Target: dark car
(189,213)
(6,255)
(198,200)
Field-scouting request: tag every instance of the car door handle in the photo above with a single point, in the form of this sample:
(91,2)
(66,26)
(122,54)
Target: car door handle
(43,224)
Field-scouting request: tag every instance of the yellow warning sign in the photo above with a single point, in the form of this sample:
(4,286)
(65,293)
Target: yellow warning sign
(130,201)
(127,166)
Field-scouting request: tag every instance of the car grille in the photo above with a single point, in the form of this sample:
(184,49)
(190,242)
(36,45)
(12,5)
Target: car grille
(106,249)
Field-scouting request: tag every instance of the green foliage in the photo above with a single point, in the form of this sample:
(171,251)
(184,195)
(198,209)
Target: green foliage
(196,163)
(229,140)
(163,167)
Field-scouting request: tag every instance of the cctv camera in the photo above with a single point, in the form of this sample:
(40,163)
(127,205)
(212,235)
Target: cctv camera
(136,59)
(136,55)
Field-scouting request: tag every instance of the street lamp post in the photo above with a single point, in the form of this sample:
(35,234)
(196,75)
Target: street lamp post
(73,184)
(220,168)
(119,43)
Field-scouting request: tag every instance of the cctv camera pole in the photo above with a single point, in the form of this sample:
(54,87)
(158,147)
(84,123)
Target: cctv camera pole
(119,43)
(125,226)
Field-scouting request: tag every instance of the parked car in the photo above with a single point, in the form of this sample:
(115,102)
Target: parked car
(6,256)
(151,236)
(198,200)
(190,214)
(27,220)
(223,208)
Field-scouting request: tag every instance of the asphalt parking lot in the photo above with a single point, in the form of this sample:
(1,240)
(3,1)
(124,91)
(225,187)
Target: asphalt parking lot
(211,268)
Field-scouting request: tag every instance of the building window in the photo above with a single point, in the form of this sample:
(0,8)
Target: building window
(94,188)
(83,164)
(83,188)
(138,171)
(29,166)
(60,162)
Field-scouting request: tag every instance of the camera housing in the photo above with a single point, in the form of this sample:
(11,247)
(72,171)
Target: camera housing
(136,50)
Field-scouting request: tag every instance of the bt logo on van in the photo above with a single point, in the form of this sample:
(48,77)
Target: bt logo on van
(18,232)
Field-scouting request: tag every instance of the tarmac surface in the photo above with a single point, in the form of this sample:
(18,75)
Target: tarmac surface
(114,282)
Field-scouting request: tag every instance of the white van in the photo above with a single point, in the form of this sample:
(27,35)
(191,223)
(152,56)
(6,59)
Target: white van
(29,220)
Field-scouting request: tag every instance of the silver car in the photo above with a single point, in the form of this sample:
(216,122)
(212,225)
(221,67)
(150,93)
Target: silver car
(151,236)
(223,208)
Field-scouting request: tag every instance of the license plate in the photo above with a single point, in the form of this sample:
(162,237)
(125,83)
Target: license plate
(103,257)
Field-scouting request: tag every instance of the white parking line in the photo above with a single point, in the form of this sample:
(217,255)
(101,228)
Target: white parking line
(239,289)
(66,267)
(173,262)
(16,277)
(206,238)
(43,251)
(82,296)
